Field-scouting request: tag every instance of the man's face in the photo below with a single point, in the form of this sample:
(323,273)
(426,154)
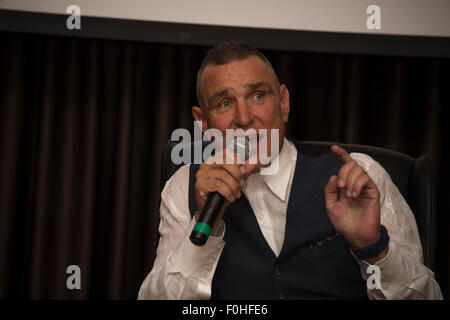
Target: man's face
(242,94)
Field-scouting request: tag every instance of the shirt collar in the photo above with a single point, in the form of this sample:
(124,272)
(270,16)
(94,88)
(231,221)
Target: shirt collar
(278,182)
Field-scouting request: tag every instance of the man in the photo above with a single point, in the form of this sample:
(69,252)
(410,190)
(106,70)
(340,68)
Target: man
(309,231)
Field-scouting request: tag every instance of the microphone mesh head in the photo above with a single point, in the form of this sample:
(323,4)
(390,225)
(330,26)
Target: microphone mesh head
(241,146)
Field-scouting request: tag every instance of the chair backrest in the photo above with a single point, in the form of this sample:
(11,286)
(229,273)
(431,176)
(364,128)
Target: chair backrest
(415,179)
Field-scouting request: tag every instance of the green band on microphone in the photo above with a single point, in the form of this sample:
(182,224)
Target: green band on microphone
(203,228)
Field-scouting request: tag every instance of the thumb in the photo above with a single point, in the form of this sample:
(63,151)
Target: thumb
(250,168)
(251,165)
(331,191)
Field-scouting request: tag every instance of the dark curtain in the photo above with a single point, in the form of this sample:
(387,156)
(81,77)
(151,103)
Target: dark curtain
(83,123)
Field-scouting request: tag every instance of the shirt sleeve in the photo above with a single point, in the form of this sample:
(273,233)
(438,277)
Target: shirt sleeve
(181,269)
(402,272)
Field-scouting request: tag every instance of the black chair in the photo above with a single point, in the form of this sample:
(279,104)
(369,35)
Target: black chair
(415,179)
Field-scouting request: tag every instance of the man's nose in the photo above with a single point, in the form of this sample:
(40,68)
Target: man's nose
(243,114)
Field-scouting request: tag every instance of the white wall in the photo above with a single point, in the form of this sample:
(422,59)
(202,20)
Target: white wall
(398,17)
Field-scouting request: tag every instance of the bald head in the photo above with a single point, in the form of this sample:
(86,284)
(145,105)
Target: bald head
(224,53)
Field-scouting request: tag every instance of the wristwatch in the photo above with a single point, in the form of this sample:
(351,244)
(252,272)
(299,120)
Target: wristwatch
(373,250)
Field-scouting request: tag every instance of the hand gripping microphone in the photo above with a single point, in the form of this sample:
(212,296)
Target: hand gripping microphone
(215,201)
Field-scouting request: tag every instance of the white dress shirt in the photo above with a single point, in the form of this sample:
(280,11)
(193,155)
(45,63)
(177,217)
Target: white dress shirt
(183,270)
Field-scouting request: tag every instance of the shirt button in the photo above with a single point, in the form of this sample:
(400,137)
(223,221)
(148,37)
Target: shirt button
(277,272)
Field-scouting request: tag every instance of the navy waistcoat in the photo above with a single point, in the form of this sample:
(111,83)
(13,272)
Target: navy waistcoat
(315,262)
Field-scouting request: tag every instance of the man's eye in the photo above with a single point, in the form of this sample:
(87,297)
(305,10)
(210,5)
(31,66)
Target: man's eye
(225,104)
(258,96)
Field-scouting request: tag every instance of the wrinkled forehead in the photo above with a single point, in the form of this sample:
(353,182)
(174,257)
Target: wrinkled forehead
(236,74)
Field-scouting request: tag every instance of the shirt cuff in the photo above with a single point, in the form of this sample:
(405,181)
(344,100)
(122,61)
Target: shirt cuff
(392,271)
(199,261)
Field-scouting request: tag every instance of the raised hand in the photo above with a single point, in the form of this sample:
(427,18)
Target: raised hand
(352,202)
(226,179)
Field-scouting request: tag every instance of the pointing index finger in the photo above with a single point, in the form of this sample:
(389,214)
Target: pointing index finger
(341,153)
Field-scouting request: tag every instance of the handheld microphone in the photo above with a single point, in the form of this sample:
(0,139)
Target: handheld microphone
(215,201)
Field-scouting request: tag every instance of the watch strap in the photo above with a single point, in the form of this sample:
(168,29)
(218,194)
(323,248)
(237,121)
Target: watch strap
(373,250)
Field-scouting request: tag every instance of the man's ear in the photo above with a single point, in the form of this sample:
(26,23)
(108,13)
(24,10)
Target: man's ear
(284,102)
(198,114)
